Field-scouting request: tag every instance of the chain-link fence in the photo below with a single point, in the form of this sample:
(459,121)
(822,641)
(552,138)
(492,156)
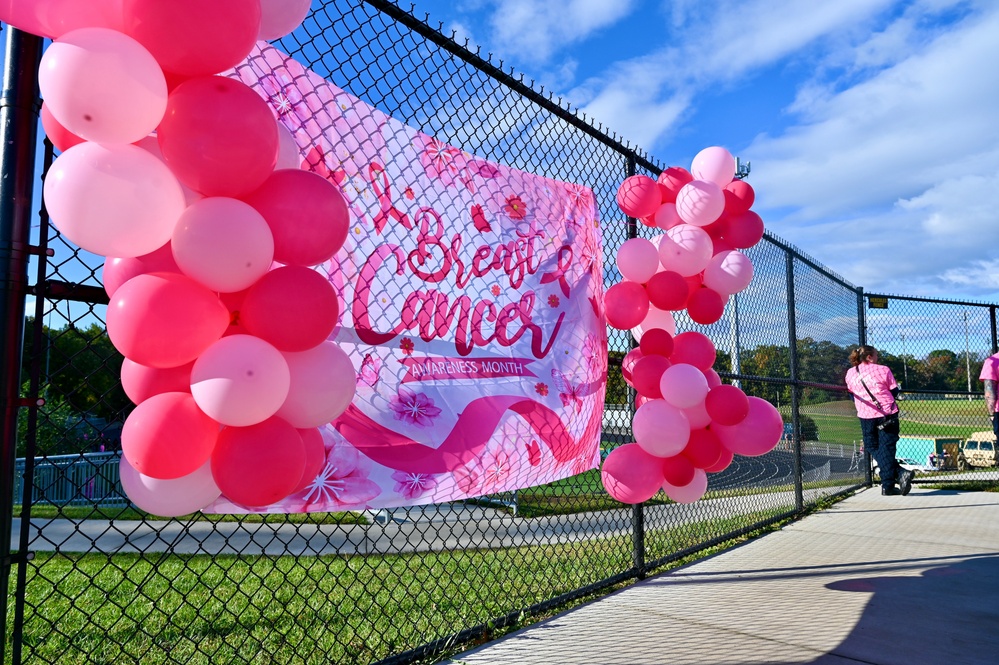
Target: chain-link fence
(94,580)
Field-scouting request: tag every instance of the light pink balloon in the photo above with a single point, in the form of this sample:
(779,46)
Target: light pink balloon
(683,386)
(117,270)
(758,433)
(288,156)
(631,475)
(638,260)
(700,202)
(697,416)
(660,428)
(690,492)
(656,318)
(240,380)
(685,249)
(54,18)
(323,381)
(728,272)
(280,17)
(714,164)
(115,200)
(223,244)
(102,86)
(667,217)
(169,498)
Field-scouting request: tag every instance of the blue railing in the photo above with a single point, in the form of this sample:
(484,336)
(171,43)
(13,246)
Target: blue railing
(87,479)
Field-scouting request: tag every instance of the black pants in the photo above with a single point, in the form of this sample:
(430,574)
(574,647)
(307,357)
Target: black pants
(882,447)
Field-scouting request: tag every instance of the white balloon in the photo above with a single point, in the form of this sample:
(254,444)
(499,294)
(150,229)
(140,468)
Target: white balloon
(169,498)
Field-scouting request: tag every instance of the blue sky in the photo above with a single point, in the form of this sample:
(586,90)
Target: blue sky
(870,124)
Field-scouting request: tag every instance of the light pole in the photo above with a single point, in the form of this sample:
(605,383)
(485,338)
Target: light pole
(905,365)
(967,353)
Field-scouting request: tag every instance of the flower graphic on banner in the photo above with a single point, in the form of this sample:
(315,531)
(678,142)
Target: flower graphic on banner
(553,301)
(594,354)
(413,407)
(496,291)
(515,207)
(441,161)
(342,482)
(407,346)
(491,470)
(533,453)
(413,485)
(541,389)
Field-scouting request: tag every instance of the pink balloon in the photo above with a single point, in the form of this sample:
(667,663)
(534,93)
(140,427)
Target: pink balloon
(637,260)
(646,375)
(113,200)
(727,405)
(151,145)
(744,230)
(102,86)
(667,290)
(728,272)
(697,416)
(240,380)
(685,250)
(218,136)
(307,215)
(667,217)
(739,197)
(725,457)
(168,436)
(117,270)
(164,320)
(656,318)
(683,386)
(678,470)
(690,492)
(628,364)
(280,17)
(700,202)
(315,457)
(671,181)
(631,475)
(61,138)
(703,449)
(712,377)
(169,498)
(639,196)
(657,342)
(292,307)
(54,18)
(223,244)
(288,156)
(193,37)
(323,382)
(140,382)
(758,433)
(695,349)
(260,464)
(661,429)
(705,306)
(714,164)
(626,305)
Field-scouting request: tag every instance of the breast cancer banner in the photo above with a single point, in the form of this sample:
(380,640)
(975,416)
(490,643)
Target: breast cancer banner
(471,298)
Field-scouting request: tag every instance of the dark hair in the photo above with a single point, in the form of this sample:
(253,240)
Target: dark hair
(861,353)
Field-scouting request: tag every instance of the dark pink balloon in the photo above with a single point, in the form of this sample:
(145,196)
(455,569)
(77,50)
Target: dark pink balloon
(693,348)
(671,181)
(713,379)
(725,457)
(54,18)
(757,434)
(194,37)
(705,306)
(140,382)
(628,364)
(739,197)
(164,319)
(218,136)
(678,470)
(294,308)
(703,448)
(639,196)
(307,215)
(626,305)
(61,138)
(315,456)
(168,436)
(118,271)
(744,230)
(631,475)
(727,405)
(668,290)
(647,374)
(656,342)
(260,464)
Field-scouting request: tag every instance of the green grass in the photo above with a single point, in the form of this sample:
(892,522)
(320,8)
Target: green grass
(952,418)
(94,608)
(48,511)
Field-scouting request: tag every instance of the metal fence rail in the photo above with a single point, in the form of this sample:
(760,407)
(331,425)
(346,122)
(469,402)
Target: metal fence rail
(92,580)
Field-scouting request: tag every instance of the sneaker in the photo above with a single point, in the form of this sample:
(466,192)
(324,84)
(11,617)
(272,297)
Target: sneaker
(905,477)
(889,490)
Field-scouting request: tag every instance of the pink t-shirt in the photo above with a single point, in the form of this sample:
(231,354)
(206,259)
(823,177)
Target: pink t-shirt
(990,369)
(880,381)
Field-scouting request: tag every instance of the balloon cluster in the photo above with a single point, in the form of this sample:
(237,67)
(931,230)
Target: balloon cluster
(178,176)
(688,423)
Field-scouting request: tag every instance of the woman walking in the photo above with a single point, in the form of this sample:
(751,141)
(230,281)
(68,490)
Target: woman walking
(874,390)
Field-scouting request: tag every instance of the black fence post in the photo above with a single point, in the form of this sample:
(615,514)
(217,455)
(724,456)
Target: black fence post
(19,108)
(862,339)
(992,322)
(792,333)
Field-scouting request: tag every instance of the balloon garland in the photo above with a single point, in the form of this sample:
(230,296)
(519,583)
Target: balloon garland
(169,171)
(688,423)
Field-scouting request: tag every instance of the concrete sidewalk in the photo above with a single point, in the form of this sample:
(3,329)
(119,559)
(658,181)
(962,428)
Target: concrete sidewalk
(885,580)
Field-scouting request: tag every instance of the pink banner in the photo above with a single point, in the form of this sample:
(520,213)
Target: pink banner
(470,296)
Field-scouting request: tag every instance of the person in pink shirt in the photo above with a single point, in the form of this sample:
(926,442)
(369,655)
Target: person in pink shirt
(874,390)
(990,377)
